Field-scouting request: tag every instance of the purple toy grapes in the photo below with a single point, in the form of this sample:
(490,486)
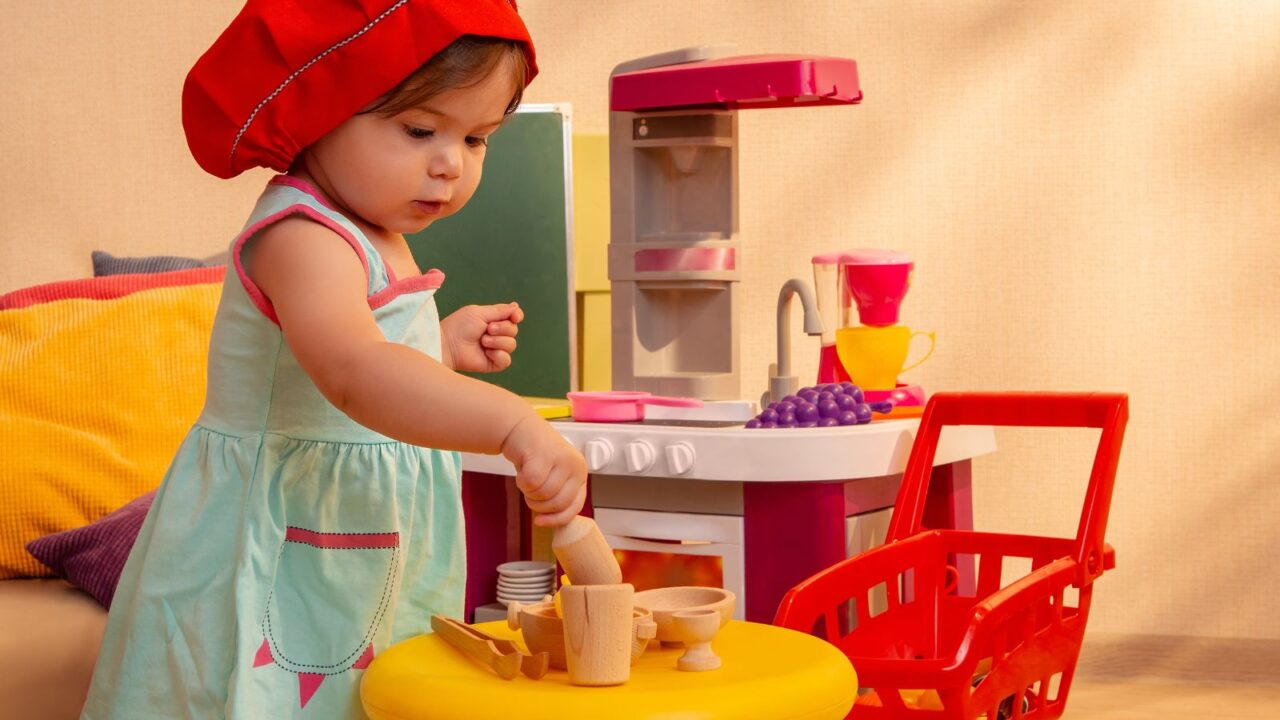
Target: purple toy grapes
(828,408)
(864,413)
(825,405)
(807,412)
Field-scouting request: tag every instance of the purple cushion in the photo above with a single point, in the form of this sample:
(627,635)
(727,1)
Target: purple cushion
(92,557)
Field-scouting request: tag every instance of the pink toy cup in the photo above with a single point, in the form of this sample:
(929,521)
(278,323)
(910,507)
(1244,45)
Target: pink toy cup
(877,281)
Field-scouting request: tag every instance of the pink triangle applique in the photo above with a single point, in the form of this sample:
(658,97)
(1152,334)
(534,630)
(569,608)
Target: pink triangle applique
(308,683)
(264,656)
(365,659)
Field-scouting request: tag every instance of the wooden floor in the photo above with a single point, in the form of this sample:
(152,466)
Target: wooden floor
(1093,700)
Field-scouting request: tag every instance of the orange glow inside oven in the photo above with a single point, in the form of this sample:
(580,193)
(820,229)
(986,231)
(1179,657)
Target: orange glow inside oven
(646,569)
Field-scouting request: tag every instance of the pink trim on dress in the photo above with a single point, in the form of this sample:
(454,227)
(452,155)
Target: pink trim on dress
(108,287)
(365,659)
(306,187)
(303,185)
(308,684)
(255,294)
(264,656)
(430,280)
(342,541)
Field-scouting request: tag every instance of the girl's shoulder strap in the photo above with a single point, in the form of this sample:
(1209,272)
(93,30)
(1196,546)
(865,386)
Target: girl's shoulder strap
(287,196)
(301,197)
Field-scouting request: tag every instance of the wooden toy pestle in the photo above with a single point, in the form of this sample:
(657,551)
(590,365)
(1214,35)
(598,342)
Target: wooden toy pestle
(583,553)
(597,606)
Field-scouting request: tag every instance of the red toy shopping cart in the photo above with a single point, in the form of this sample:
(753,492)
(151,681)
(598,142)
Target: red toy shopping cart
(1005,649)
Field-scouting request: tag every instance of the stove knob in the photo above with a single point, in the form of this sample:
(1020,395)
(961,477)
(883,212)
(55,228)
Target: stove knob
(640,456)
(598,453)
(679,458)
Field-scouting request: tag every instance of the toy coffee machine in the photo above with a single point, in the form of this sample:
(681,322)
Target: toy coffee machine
(872,352)
(675,258)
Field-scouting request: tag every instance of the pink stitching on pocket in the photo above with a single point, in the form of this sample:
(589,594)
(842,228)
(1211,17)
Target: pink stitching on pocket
(343,541)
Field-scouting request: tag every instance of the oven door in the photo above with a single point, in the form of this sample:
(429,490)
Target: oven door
(664,549)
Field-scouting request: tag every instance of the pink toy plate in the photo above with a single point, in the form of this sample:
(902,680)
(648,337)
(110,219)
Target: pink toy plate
(620,405)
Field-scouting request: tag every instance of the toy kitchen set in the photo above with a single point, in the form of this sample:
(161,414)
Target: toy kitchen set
(750,498)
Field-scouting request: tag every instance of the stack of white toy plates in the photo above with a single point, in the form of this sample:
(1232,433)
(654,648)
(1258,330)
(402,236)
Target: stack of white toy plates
(527,581)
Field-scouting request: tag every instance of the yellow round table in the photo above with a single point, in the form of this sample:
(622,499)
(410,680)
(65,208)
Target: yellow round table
(766,673)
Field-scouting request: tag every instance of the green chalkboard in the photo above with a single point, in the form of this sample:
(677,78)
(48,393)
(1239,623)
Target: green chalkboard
(513,241)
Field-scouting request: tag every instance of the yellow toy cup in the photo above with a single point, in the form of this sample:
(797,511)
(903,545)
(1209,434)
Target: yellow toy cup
(874,356)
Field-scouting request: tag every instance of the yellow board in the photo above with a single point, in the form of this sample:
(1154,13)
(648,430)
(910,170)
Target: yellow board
(591,259)
(550,408)
(767,673)
(595,341)
(591,213)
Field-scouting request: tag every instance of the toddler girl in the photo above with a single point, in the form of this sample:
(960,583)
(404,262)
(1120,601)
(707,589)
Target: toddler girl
(313,515)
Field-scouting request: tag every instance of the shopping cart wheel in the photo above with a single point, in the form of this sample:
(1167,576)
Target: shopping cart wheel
(1005,711)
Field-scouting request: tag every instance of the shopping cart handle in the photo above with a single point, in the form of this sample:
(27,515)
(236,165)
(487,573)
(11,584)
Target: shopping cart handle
(1108,411)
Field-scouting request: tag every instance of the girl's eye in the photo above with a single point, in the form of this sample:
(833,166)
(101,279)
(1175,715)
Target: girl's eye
(417,132)
(474,141)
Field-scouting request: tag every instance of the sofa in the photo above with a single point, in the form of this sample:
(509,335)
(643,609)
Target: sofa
(49,636)
(99,380)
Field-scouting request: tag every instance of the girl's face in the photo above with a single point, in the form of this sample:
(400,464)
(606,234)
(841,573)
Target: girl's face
(400,173)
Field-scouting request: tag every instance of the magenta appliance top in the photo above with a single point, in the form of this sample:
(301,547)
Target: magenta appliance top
(740,83)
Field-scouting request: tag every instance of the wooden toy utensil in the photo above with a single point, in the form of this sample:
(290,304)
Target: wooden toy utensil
(502,656)
(696,628)
(584,553)
(597,633)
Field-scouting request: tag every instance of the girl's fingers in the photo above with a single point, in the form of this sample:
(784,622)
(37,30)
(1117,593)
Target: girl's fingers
(564,516)
(563,497)
(531,478)
(495,342)
(502,328)
(498,359)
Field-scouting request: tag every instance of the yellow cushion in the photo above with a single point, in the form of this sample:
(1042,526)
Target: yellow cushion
(99,381)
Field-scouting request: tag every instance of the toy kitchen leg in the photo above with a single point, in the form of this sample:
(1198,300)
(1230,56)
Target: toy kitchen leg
(794,529)
(484,507)
(499,529)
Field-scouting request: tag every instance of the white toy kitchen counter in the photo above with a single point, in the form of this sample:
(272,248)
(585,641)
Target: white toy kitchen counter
(797,488)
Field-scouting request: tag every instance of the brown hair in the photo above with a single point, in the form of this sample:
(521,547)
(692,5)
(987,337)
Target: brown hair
(465,62)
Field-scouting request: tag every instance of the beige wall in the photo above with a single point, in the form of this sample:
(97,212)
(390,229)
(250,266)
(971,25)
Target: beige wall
(1089,190)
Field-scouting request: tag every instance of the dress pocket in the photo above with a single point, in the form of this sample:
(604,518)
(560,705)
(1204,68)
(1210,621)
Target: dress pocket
(330,594)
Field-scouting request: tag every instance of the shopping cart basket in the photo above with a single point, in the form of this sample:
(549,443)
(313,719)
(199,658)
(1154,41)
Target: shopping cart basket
(1008,650)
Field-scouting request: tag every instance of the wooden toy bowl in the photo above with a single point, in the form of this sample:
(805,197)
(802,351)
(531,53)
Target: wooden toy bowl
(662,602)
(543,630)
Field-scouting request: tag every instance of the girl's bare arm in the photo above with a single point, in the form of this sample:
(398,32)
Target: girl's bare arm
(318,289)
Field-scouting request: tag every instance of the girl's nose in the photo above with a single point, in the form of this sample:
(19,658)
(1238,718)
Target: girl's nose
(447,163)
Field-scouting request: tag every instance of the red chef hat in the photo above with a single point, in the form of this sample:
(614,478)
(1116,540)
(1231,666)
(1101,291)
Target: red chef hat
(286,72)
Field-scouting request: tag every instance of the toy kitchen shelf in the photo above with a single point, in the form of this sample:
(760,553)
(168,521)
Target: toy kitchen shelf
(791,491)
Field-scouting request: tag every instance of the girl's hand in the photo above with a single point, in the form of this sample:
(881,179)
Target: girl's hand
(550,472)
(481,338)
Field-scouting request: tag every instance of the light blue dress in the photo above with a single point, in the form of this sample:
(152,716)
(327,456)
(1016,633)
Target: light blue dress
(287,545)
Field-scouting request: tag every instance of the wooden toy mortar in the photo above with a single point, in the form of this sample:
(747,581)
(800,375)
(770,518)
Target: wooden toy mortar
(543,630)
